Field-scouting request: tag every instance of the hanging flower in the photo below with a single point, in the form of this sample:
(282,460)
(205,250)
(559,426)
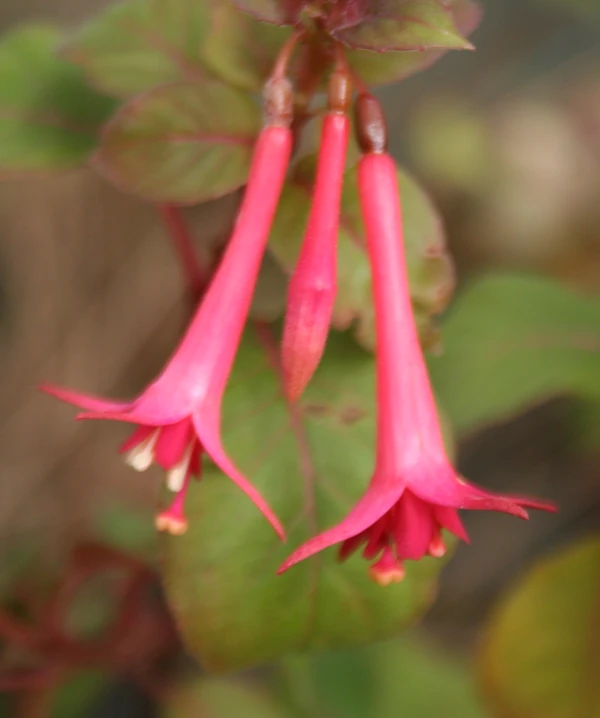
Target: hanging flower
(178,416)
(414,492)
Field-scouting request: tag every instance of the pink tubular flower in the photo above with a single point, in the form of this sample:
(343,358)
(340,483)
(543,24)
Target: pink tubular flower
(414,491)
(178,415)
(313,286)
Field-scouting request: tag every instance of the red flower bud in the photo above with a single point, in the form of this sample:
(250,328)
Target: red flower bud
(313,285)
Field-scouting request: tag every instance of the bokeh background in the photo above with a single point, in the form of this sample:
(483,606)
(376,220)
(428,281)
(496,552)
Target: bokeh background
(507,141)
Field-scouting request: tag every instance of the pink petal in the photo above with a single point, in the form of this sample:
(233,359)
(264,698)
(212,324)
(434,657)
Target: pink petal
(172,442)
(474,497)
(414,527)
(134,415)
(530,503)
(438,484)
(211,443)
(377,536)
(378,500)
(349,546)
(435,481)
(85,401)
(140,434)
(449,519)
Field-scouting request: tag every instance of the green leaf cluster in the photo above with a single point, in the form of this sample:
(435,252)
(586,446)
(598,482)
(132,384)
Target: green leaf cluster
(181,70)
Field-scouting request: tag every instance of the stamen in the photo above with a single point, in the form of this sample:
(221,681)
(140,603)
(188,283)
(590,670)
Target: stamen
(387,570)
(173,520)
(177,475)
(437,548)
(141,456)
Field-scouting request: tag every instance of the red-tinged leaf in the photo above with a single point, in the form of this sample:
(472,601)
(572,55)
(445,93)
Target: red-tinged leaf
(430,269)
(541,656)
(311,462)
(49,118)
(379,69)
(278,12)
(136,45)
(402,25)
(181,143)
(241,50)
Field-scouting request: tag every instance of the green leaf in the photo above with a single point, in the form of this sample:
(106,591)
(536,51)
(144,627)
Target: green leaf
(183,143)
(221,699)
(240,49)
(127,529)
(136,45)
(401,677)
(542,652)
(381,69)
(511,342)
(312,464)
(421,682)
(430,270)
(405,25)
(279,12)
(49,118)
(76,697)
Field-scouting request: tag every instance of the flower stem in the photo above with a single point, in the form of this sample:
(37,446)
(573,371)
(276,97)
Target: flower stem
(181,238)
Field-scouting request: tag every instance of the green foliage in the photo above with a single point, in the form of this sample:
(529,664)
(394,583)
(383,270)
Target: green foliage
(513,341)
(541,655)
(311,463)
(136,45)
(241,50)
(430,268)
(272,11)
(221,699)
(76,696)
(406,25)
(127,529)
(400,677)
(183,143)
(49,117)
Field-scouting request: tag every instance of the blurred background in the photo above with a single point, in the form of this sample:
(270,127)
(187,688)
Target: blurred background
(507,141)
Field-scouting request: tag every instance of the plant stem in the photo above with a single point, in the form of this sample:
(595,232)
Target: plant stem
(181,238)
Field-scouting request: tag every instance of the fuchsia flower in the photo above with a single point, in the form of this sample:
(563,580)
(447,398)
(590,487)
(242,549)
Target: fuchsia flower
(414,492)
(313,286)
(178,415)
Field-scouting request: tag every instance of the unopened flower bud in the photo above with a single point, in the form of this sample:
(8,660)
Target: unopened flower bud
(313,285)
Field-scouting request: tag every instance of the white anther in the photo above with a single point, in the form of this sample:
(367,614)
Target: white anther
(176,475)
(141,456)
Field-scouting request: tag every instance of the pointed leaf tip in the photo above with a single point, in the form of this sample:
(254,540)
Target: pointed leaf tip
(402,25)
